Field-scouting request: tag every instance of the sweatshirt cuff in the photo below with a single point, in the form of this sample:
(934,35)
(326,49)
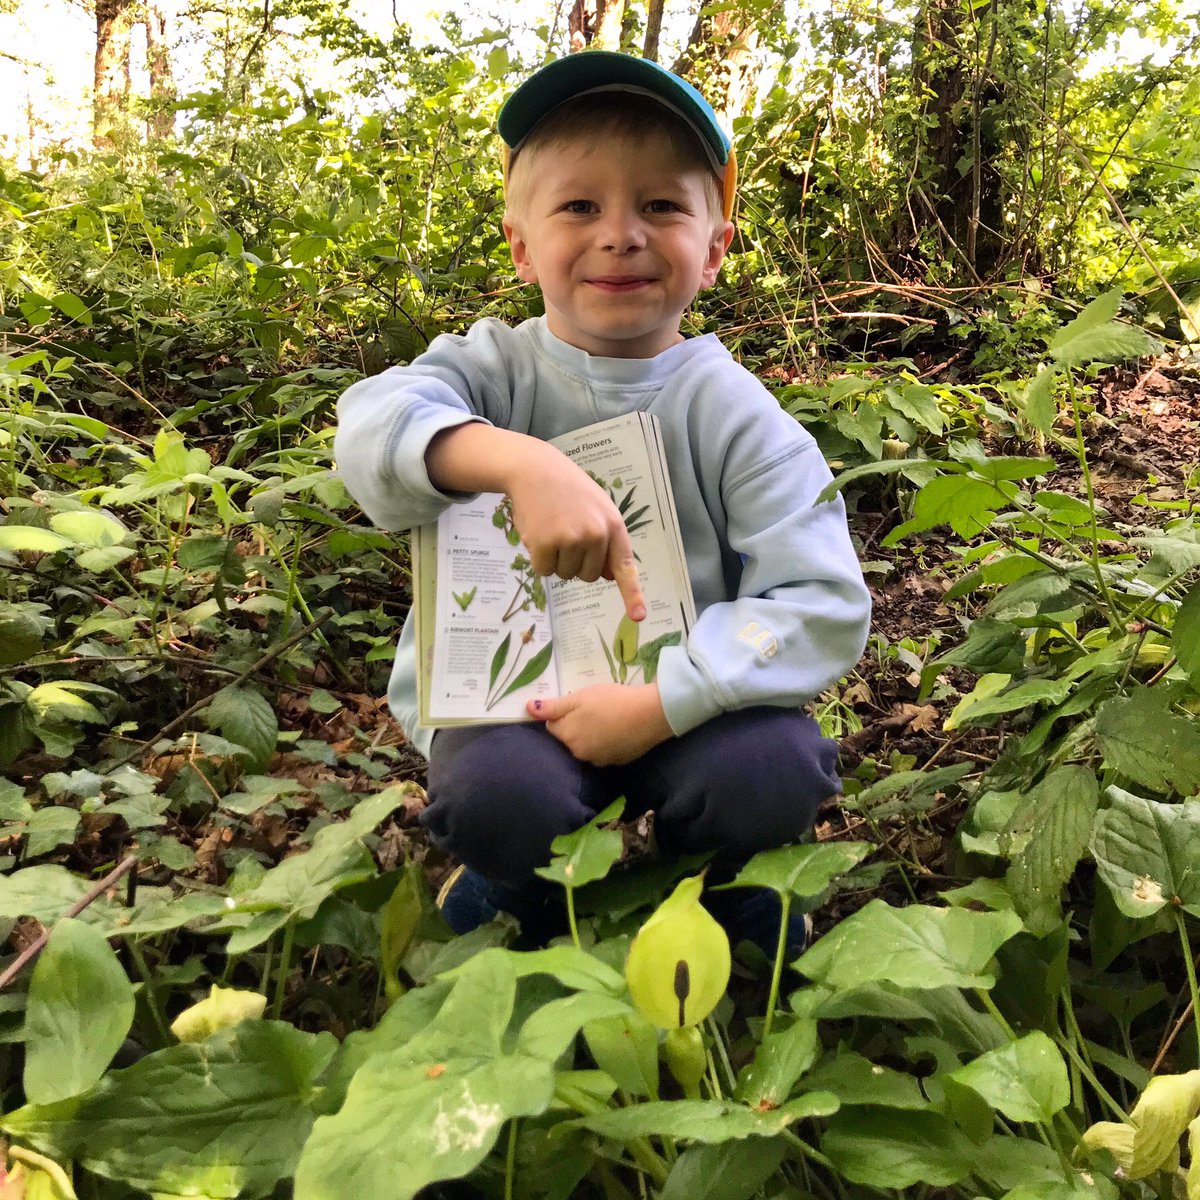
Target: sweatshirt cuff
(687,694)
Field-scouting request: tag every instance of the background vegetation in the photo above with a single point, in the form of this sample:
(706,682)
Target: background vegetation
(967,259)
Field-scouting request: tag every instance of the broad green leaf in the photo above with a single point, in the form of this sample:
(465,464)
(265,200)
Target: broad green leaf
(1150,1138)
(803,871)
(80,1009)
(914,947)
(1025,1080)
(1009,467)
(103,559)
(627,1048)
(1038,402)
(1008,1161)
(399,919)
(1064,813)
(991,647)
(222,1008)
(1143,739)
(708,1121)
(572,967)
(553,1027)
(1146,853)
(222,1118)
(916,468)
(23,628)
(1095,335)
(982,703)
(46,892)
(531,670)
(919,404)
(779,1062)
(964,503)
(50,828)
(94,529)
(890,1149)
(588,853)
(856,1080)
(29,537)
(730,1171)
(1043,593)
(1084,1185)
(498,661)
(300,883)
(1185,635)
(246,717)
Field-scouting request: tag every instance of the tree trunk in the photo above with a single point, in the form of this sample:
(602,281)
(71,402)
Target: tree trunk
(959,199)
(110,97)
(158,60)
(722,58)
(654,16)
(596,24)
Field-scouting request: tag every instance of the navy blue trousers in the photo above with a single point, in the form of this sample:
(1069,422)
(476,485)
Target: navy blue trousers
(742,782)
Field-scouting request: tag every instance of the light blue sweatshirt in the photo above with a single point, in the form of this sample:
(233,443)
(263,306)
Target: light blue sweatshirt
(782,610)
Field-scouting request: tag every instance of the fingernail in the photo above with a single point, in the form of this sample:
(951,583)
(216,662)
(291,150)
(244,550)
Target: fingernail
(537,705)
(639,612)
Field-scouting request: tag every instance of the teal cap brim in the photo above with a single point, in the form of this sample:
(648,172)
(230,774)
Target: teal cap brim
(603,70)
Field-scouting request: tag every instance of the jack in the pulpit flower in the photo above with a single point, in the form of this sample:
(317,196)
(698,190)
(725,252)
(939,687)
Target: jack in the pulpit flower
(678,964)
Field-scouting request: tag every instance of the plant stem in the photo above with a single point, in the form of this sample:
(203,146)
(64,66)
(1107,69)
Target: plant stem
(571,917)
(285,966)
(1090,1075)
(1190,963)
(805,1150)
(986,998)
(156,1013)
(510,1159)
(785,906)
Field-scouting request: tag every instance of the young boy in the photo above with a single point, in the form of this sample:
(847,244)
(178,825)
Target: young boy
(619,190)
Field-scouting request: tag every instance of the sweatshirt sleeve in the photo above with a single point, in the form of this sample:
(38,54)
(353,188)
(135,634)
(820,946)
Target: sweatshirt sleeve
(385,423)
(800,617)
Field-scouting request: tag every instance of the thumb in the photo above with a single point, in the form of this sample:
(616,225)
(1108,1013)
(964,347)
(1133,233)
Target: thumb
(550,709)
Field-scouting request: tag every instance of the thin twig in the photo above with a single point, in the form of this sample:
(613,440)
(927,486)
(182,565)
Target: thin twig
(203,703)
(97,890)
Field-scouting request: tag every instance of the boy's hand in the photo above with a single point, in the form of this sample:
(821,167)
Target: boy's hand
(607,724)
(571,527)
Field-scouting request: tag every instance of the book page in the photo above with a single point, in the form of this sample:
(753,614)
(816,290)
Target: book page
(595,643)
(491,640)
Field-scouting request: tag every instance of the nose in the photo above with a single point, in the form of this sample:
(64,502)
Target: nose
(621,230)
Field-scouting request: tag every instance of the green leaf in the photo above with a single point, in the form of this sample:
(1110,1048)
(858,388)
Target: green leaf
(1146,853)
(89,528)
(1042,593)
(914,468)
(531,670)
(50,828)
(1038,401)
(854,1079)
(1185,636)
(1095,335)
(964,503)
(246,717)
(915,947)
(80,1009)
(399,919)
(650,653)
(222,1118)
(731,1171)
(588,853)
(1064,806)
(708,1121)
(779,1062)
(991,647)
(72,306)
(919,403)
(23,628)
(498,660)
(1025,1080)
(553,1027)
(46,892)
(802,871)
(891,1149)
(432,1108)
(626,1047)
(29,537)
(1143,739)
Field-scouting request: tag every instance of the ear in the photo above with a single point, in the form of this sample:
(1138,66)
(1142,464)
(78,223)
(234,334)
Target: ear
(716,254)
(526,271)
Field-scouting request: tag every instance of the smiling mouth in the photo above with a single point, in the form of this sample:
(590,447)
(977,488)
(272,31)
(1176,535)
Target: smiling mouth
(626,283)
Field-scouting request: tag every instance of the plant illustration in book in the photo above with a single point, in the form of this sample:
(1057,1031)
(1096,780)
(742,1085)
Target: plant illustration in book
(635,518)
(530,591)
(501,682)
(463,599)
(625,658)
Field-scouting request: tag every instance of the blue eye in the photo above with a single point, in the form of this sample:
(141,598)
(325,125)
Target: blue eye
(662,206)
(578,206)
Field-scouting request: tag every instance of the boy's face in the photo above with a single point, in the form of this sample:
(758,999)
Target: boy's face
(620,238)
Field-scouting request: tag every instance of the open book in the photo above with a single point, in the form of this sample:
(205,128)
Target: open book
(492,635)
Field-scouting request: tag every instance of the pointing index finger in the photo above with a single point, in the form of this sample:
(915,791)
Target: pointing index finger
(623,567)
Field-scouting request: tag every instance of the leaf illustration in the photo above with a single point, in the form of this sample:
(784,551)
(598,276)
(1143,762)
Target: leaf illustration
(626,500)
(532,669)
(648,654)
(631,519)
(463,599)
(612,666)
(498,660)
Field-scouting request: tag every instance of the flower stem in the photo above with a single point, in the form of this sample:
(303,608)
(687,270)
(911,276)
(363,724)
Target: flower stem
(285,965)
(1190,963)
(785,905)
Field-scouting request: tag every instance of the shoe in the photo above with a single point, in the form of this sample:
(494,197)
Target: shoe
(754,915)
(468,899)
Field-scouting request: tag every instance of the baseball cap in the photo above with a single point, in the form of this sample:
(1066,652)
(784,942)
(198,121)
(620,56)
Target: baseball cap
(607,71)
